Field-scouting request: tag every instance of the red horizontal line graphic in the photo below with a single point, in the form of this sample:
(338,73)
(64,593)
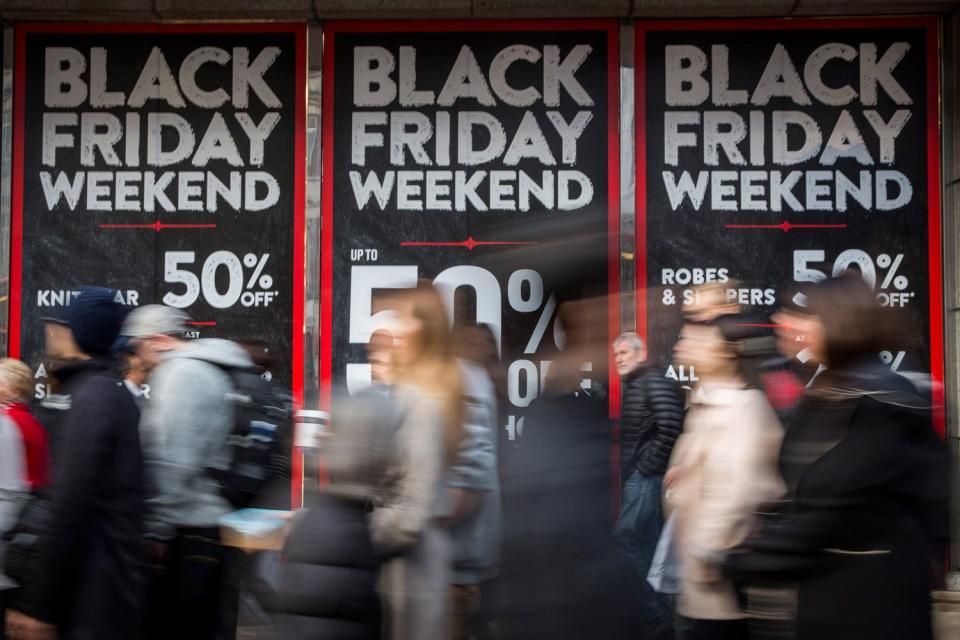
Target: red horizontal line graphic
(468,244)
(158,226)
(196,323)
(786,226)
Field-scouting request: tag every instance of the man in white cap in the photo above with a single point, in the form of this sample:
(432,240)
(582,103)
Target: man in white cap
(185,430)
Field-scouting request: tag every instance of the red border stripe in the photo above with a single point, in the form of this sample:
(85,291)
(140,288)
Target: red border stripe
(613,248)
(16,195)
(161,27)
(431,26)
(613,207)
(640,213)
(299,248)
(326,243)
(935,258)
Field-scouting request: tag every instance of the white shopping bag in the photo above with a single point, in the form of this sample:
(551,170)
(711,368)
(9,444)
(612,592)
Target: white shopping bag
(664,574)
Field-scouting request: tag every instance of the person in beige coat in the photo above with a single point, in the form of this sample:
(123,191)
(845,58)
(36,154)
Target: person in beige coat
(410,521)
(723,468)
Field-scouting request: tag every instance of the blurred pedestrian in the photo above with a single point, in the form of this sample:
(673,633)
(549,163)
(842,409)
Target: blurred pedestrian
(134,369)
(474,489)
(24,458)
(562,576)
(13,493)
(185,429)
(380,356)
(793,321)
(60,351)
(861,535)
(477,343)
(16,389)
(86,579)
(261,354)
(276,492)
(722,470)
(327,583)
(411,521)
(798,367)
(651,418)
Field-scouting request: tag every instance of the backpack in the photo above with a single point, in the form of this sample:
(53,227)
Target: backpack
(260,441)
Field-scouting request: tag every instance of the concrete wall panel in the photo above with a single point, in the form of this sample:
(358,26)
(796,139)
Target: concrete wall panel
(711,8)
(385,9)
(374,9)
(235,9)
(873,7)
(77,10)
(949,58)
(551,8)
(951,330)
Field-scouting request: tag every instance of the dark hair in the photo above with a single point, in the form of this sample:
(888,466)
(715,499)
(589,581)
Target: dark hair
(793,299)
(259,351)
(855,326)
(748,342)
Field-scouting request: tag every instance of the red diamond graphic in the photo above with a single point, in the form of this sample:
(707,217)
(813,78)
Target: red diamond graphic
(785,226)
(157,225)
(470,243)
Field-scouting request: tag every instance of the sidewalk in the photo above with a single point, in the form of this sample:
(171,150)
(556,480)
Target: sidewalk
(946,615)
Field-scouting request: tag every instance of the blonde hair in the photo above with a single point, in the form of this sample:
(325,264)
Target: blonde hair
(18,376)
(432,366)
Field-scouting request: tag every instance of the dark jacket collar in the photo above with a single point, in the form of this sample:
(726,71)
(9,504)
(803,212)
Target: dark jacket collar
(869,378)
(642,369)
(76,368)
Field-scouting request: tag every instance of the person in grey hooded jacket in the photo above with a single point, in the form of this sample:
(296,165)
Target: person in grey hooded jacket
(185,429)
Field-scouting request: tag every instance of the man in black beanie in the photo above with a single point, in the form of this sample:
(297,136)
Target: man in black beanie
(87,580)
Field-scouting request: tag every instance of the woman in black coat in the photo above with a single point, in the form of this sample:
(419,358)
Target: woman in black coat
(328,576)
(858,541)
(327,581)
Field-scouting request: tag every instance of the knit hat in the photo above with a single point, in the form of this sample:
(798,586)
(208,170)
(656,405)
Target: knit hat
(94,318)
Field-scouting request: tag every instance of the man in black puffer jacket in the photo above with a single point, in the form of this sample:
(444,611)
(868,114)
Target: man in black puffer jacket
(650,422)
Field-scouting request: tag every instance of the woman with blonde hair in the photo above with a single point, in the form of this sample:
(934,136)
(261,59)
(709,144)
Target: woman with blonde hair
(13,494)
(16,388)
(411,519)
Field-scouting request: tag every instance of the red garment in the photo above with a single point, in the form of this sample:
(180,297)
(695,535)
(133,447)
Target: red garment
(783,389)
(34,438)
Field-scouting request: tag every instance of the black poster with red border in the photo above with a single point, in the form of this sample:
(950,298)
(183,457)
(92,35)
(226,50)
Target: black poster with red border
(772,152)
(165,161)
(445,142)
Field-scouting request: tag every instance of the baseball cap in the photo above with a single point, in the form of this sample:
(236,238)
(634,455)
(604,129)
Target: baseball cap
(154,319)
